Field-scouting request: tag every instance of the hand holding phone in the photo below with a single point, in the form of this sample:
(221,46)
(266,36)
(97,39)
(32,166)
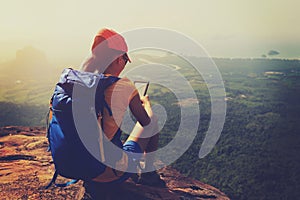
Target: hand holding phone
(142,87)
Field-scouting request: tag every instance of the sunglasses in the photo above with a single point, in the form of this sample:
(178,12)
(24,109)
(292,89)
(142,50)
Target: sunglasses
(126,58)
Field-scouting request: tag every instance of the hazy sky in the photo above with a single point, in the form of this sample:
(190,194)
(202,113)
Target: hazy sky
(64,29)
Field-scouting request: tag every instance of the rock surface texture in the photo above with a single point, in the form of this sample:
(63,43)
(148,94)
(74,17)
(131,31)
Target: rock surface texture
(26,168)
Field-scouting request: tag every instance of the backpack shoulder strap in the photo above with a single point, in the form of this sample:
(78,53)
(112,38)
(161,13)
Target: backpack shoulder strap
(48,120)
(103,84)
(59,184)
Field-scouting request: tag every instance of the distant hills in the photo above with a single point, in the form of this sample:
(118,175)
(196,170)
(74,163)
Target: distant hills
(29,63)
(257,155)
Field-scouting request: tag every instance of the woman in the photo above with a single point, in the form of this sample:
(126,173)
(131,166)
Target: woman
(109,56)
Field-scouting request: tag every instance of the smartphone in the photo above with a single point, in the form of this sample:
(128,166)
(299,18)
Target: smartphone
(142,87)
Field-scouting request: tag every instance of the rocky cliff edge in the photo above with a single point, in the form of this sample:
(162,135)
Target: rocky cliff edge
(26,168)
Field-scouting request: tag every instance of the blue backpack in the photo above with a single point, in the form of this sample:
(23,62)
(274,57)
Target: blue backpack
(70,156)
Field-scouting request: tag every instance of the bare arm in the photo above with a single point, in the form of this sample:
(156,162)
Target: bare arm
(141,109)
